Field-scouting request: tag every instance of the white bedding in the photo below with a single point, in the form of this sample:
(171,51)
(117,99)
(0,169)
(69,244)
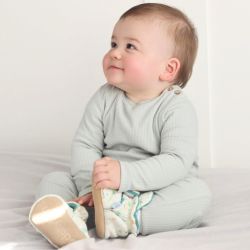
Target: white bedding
(226,226)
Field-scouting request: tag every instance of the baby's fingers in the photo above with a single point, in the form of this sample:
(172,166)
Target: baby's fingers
(84,199)
(91,203)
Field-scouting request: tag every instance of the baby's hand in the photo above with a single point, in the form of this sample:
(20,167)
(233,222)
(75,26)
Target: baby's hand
(86,199)
(106,173)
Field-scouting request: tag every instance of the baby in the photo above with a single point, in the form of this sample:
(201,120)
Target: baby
(134,155)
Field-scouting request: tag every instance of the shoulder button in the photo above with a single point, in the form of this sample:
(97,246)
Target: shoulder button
(177,91)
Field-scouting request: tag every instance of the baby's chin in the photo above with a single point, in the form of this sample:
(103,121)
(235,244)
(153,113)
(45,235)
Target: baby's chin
(126,87)
(117,85)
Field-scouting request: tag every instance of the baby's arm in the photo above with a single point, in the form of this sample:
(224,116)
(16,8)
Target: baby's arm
(87,144)
(177,153)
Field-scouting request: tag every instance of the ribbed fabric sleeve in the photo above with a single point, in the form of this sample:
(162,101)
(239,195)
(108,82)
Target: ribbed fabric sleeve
(178,144)
(87,144)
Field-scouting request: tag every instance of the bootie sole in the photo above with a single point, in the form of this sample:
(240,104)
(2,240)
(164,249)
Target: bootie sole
(99,212)
(50,216)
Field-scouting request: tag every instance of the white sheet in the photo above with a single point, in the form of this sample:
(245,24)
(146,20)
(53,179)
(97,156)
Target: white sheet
(226,226)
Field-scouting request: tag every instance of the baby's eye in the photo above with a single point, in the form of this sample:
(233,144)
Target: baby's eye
(130,46)
(113,45)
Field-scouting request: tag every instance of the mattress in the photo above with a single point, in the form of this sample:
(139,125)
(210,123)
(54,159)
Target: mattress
(225,226)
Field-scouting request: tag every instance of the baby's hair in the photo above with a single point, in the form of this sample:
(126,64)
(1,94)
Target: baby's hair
(182,30)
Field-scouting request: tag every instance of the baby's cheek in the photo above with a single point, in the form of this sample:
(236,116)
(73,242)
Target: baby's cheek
(136,71)
(105,62)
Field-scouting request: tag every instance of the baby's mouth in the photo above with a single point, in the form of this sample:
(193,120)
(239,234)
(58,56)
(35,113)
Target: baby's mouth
(115,67)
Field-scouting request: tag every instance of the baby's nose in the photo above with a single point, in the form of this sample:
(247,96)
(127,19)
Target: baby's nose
(116,54)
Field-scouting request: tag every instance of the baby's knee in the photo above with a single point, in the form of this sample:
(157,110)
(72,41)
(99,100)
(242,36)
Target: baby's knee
(56,177)
(53,183)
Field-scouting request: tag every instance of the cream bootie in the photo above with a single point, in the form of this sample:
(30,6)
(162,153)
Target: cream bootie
(58,221)
(118,214)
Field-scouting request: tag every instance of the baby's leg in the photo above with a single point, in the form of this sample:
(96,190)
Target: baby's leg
(62,184)
(178,206)
(59,183)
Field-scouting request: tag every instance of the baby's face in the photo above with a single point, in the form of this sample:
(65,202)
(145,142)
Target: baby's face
(138,54)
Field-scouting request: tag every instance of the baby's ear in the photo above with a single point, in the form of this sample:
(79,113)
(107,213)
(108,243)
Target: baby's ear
(171,70)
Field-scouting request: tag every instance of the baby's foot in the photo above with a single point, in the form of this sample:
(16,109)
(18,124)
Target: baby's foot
(118,214)
(59,222)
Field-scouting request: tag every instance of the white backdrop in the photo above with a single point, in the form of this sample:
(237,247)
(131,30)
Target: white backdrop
(229,62)
(50,65)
